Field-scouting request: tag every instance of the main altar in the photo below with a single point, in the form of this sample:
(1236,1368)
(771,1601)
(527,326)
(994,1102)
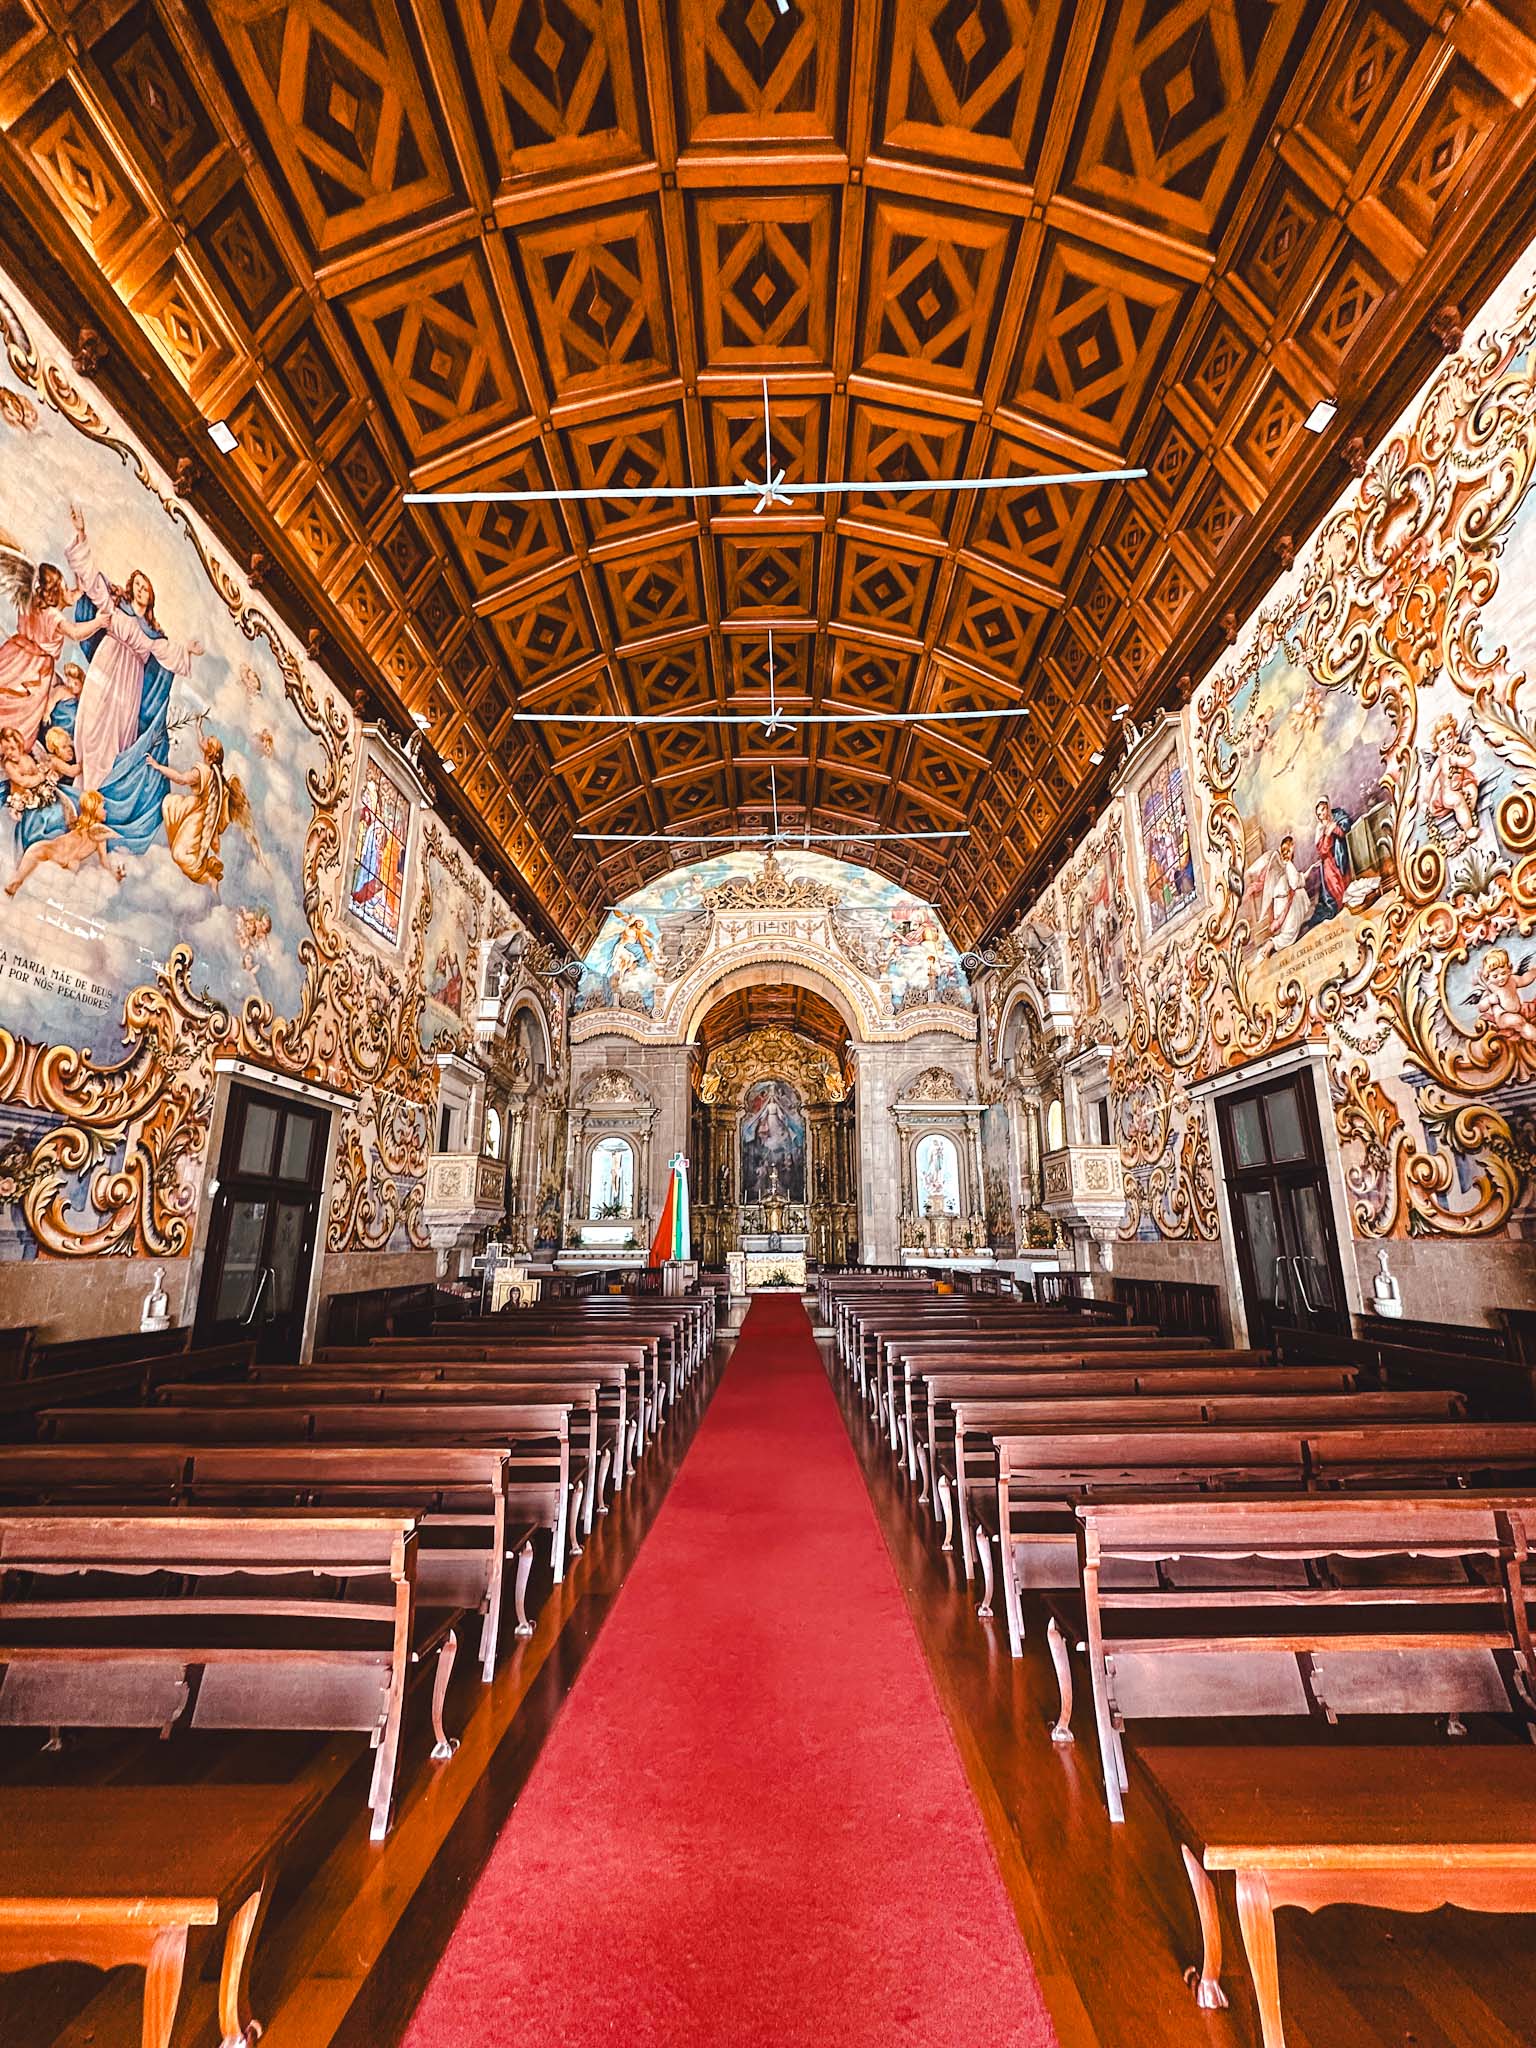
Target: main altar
(771,1251)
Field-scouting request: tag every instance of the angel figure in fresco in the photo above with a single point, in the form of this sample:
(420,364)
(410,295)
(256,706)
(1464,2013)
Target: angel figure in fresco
(1256,733)
(253,928)
(29,658)
(1453,790)
(84,839)
(1507,1004)
(1303,722)
(200,810)
(130,666)
(1285,902)
(634,952)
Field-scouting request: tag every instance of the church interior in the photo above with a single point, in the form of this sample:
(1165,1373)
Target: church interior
(767,1023)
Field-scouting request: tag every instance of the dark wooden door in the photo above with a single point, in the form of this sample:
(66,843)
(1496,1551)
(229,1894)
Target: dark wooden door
(261,1239)
(1282,1214)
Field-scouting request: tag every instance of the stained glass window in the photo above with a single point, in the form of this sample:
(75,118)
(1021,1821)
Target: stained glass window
(379,839)
(1170,867)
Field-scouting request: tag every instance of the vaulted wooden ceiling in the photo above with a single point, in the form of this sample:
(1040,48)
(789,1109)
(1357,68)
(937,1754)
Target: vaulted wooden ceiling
(786,1004)
(465,243)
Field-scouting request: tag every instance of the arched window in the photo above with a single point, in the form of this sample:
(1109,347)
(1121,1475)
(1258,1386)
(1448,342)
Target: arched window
(1055,1125)
(612,1183)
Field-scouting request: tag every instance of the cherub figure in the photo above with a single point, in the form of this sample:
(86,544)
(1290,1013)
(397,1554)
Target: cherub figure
(84,841)
(195,823)
(1256,733)
(1453,789)
(253,928)
(1303,722)
(26,772)
(1507,1004)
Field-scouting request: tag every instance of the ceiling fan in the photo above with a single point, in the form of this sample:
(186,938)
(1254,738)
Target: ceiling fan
(780,835)
(773,492)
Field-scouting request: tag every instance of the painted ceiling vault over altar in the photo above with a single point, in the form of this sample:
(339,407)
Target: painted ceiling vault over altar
(432,243)
(667,954)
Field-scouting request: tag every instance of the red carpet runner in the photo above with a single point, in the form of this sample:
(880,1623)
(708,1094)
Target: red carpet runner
(749,1825)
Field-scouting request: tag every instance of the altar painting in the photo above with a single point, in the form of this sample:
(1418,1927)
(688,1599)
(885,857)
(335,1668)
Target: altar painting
(772,1142)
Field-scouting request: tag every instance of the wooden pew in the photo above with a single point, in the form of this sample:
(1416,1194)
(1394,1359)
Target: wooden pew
(1111,1347)
(459,1498)
(614,1382)
(148,1876)
(980,1421)
(639,1398)
(592,1448)
(932,1389)
(911,1364)
(1043,1475)
(246,1620)
(1317,1606)
(134,1378)
(536,1436)
(1408,1829)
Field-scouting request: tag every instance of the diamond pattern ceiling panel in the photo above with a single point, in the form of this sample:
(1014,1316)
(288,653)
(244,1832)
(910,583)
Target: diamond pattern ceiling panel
(481,244)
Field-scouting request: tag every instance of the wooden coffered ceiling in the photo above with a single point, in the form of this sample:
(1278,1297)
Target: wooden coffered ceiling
(787,1005)
(464,243)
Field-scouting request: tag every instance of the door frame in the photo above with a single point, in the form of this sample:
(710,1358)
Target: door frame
(227,1072)
(1311,1059)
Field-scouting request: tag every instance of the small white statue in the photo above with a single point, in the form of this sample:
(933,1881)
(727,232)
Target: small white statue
(156,1312)
(1386,1295)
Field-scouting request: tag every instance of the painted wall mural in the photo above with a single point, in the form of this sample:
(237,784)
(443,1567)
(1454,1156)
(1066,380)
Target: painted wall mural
(159,737)
(649,943)
(1365,825)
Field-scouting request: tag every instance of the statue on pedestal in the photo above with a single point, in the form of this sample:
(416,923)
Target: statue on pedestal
(156,1311)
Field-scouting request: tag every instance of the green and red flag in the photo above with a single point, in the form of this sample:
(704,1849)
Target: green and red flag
(673,1239)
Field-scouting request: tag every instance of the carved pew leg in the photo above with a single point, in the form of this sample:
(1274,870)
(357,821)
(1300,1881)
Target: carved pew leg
(984,1554)
(947,1510)
(1209,1995)
(162,1985)
(1256,1917)
(234,2000)
(520,1589)
(1062,1660)
(605,1466)
(573,1519)
(445,1744)
(922,1473)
